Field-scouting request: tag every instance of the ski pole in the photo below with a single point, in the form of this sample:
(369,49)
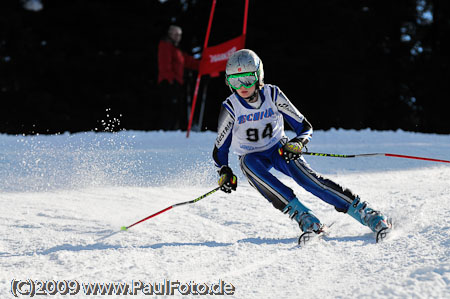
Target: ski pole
(124,228)
(374,154)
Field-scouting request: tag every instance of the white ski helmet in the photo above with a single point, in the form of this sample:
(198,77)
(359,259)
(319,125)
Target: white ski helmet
(245,61)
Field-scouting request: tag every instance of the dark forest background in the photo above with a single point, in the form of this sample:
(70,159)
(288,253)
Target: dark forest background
(82,65)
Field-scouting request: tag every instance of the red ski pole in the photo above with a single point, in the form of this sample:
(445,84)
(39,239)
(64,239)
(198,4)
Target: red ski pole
(171,207)
(374,154)
(124,228)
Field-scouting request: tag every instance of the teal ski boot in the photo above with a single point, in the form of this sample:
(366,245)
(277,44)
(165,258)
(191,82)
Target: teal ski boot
(306,220)
(375,220)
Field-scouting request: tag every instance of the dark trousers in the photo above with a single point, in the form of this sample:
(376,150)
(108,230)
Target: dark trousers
(256,167)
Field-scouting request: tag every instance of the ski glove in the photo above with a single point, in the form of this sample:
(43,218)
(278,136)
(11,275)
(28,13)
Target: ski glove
(291,150)
(227,181)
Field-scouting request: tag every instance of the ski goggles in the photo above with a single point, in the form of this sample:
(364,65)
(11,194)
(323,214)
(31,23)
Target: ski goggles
(247,80)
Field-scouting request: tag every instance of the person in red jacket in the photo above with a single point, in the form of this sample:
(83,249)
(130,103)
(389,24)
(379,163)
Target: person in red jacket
(171,65)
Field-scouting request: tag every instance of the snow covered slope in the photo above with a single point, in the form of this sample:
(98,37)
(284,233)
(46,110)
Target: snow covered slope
(60,194)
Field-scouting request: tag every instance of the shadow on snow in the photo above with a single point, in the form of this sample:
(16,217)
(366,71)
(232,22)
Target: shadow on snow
(366,239)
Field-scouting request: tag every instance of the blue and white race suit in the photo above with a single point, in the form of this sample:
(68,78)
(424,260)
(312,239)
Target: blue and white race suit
(256,134)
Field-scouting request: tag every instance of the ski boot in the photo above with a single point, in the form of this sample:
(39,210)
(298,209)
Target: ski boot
(306,220)
(375,220)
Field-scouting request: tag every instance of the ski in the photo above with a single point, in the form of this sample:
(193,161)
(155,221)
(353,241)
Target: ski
(384,233)
(308,236)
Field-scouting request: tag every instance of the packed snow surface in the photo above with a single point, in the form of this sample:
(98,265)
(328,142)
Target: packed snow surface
(63,200)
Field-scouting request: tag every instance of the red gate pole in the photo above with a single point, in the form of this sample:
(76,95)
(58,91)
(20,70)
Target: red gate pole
(244,27)
(199,75)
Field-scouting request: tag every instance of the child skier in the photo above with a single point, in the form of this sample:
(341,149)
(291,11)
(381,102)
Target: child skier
(251,121)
